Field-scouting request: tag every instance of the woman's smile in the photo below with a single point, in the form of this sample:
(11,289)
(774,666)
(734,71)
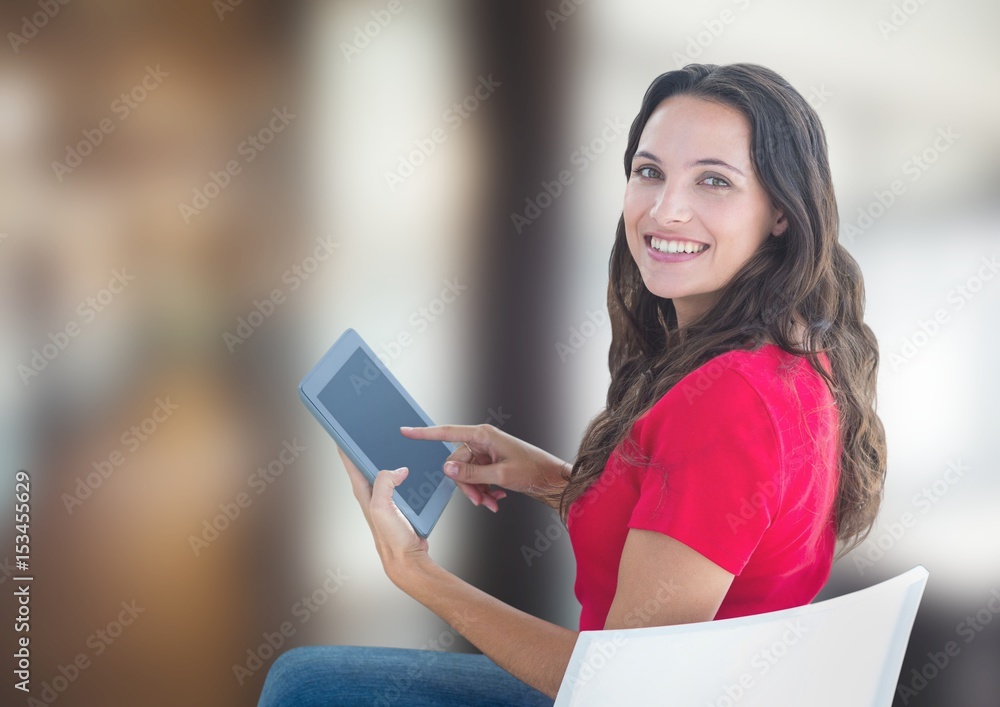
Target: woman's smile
(671,250)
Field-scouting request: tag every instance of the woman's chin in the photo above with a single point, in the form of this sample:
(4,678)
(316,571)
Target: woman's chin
(667,290)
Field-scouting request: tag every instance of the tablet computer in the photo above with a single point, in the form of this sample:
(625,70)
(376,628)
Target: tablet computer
(362,405)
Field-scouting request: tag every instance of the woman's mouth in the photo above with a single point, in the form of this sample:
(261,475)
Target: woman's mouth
(673,251)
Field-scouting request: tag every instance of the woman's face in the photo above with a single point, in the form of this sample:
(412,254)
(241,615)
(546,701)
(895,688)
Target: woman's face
(692,184)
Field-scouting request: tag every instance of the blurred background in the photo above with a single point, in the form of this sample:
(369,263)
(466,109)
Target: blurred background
(198,197)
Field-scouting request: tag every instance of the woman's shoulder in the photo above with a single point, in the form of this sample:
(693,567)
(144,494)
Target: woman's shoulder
(764,379)
(717,409)
(751,364)
(765,363)
(725,385)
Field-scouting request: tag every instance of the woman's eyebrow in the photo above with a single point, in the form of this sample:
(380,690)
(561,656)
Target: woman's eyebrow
(702,162)
(717,162)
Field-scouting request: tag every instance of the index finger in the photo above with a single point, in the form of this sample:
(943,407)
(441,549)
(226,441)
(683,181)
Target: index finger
(445,433)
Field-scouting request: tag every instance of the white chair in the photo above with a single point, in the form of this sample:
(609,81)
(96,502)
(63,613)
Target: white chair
(843,652)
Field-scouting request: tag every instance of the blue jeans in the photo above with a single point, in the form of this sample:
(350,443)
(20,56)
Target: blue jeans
(324,676)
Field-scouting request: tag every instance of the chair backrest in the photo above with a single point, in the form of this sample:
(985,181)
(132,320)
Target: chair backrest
(843,651)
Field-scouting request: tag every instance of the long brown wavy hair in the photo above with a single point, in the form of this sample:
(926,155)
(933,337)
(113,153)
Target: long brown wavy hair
(805,275)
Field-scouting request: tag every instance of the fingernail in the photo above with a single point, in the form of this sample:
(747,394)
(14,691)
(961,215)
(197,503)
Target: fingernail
(406,428)
(450,468)
(475,502)
(401,469)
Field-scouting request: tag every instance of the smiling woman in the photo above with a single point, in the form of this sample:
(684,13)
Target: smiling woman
(739,442)
(711,212)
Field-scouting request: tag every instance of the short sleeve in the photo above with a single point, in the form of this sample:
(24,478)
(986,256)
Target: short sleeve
(714,480)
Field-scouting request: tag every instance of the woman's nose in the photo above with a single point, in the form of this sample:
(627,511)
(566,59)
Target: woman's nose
(671,205)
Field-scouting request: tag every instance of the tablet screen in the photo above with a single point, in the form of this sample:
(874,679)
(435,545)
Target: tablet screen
(371,411)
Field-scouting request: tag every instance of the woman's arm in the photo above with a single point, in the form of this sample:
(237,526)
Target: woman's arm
(682,585)
(661,582)
(529,648)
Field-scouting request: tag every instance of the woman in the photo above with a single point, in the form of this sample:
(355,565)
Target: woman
(739,443)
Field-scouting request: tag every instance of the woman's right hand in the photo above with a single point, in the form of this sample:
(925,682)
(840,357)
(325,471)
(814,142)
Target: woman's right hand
(495,457)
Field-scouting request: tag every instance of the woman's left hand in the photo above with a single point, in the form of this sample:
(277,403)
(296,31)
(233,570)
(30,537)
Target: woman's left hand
(399,547)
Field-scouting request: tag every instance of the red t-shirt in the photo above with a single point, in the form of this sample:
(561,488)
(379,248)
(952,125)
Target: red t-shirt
(744,469)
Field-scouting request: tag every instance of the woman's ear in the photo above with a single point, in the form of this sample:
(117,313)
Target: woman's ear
(780,225)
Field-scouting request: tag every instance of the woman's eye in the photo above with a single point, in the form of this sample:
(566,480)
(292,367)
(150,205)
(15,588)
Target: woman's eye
(647,172)
(721,182)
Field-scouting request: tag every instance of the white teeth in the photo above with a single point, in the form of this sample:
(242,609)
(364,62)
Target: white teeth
(675,246)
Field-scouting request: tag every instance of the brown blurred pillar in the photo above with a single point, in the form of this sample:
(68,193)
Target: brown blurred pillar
(521,274)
